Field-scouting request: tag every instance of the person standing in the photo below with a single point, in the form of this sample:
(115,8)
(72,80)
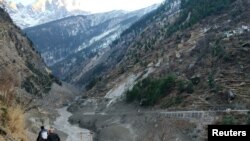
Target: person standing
(43,134)
(53,136)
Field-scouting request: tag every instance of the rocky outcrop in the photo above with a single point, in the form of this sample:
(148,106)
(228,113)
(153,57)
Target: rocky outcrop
(24,78)
(20,60)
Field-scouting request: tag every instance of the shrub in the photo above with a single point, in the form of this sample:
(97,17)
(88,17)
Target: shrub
(11,113)
(172,101)
(229,120)
(149,91)
(12,118)
(211,82)
(181,85)
(3,116)
(190,88)
(218,51)
(248,118)
(29,86)
(39,79)
(16,124)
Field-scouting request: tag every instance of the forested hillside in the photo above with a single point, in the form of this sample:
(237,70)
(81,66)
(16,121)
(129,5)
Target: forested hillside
(192,53)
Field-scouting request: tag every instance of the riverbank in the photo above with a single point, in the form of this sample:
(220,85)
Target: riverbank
(74,133)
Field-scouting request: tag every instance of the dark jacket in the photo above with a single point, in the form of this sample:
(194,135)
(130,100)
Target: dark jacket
(53,137)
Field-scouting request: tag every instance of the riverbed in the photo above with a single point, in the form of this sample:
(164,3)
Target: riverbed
(74,132)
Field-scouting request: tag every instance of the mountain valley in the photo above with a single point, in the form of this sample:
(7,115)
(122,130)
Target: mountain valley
(79,40)
(161,73)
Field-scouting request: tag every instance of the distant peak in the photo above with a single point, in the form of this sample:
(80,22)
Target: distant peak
(13,5)
(39,5)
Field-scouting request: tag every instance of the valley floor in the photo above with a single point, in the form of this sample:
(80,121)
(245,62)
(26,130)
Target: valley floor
(124,122)
(119,121)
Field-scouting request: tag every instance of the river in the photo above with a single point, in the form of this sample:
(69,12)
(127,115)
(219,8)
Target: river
(74,132)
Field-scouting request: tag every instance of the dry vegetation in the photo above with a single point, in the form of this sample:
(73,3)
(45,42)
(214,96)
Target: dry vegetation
(23,77)
(12,114)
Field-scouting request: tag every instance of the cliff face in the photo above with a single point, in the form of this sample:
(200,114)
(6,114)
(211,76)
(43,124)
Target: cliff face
(23,77)
(20,61)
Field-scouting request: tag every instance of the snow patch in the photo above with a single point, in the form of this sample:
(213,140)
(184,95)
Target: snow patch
(237,31)
(148,71)
(110,36)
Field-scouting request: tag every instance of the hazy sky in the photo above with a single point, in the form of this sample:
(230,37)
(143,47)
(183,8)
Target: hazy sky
(104,5)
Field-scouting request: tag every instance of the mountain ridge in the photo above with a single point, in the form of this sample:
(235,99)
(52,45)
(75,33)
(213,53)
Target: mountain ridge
(39,12)
(80,37)
(183,50)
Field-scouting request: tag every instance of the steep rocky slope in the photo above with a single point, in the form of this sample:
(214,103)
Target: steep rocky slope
(69,44)
(23,78)
(191,57)
(94,72)
(19,59)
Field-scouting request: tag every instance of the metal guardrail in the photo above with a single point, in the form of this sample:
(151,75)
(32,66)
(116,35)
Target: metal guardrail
(186,114)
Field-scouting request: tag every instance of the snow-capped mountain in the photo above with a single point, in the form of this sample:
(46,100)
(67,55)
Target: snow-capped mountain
(69,43)
(39,12)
